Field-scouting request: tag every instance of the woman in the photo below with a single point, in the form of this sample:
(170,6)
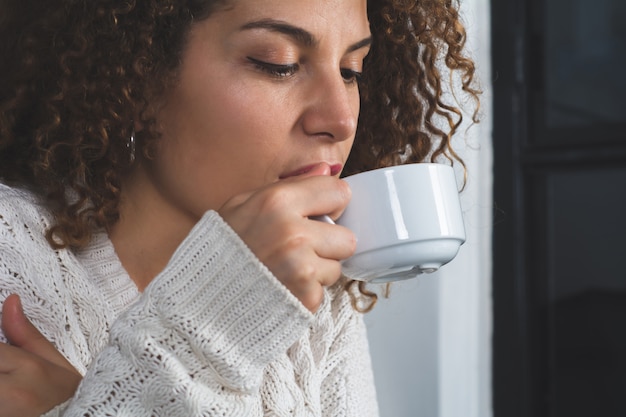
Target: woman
(161,163)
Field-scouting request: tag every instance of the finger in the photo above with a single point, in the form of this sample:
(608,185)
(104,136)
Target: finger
(322,169)
(310,194)
(332,241)
(329,190)
(21,333)
(306,280)
(315,195)
(15,325)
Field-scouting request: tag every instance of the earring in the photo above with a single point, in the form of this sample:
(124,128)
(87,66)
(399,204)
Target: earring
(131,146)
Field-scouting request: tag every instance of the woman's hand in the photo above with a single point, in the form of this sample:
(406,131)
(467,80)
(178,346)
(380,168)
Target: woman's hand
(274,222)
(34,376)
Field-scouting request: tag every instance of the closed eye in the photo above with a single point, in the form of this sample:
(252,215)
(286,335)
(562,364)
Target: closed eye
(350,76)
(275,70)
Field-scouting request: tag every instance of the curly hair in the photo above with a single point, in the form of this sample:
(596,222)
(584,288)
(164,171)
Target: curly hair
(402,89)
(76,74)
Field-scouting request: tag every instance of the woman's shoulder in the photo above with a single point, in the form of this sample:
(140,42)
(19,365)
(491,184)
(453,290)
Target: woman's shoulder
(20,206)
(8,192)
(24,220)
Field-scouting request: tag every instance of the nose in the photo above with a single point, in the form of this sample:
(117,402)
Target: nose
(333,108)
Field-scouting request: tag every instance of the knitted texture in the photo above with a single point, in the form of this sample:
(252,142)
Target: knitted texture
(215,334)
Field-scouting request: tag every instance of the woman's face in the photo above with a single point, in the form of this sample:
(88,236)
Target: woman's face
(267,89)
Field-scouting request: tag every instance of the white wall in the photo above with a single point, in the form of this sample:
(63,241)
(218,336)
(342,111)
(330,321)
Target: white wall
(431,340)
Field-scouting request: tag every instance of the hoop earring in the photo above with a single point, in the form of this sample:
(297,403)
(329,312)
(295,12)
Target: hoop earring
(131,146)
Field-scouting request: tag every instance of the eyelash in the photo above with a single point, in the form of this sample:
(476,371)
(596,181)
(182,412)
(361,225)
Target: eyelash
(351,76)
(286,70)
(275,70)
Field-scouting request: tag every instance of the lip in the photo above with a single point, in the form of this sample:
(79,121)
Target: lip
(335,169)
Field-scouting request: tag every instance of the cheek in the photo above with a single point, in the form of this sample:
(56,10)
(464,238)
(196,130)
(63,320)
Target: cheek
(245,110)
(256,122)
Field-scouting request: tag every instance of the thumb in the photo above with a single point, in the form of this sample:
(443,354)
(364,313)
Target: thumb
(23,334)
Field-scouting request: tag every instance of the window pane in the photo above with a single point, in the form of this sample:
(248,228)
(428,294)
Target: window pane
(585,58)
(587,236)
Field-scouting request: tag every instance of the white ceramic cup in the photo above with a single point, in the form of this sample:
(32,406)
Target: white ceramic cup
(407,220)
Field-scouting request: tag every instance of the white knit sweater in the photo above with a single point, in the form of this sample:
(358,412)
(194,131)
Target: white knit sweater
(215,334)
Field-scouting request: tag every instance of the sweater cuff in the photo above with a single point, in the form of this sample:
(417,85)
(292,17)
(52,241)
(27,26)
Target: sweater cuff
(227,304)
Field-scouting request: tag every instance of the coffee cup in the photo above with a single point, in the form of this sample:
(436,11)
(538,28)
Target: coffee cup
(407,220)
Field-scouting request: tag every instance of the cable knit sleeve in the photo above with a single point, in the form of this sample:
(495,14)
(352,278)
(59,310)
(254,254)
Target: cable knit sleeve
(199,338)
(348,379)
(46,284)
(215,334)
(336,354)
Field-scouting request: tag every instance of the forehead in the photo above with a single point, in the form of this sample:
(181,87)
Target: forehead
(321,16)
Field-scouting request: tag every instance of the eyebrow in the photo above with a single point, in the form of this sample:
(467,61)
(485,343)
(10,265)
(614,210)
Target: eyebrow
(300,35)
(360,44)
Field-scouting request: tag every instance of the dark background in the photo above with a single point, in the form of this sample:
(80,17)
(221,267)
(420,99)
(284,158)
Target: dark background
(559,277)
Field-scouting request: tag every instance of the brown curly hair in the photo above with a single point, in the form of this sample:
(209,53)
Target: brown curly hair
(76,74)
